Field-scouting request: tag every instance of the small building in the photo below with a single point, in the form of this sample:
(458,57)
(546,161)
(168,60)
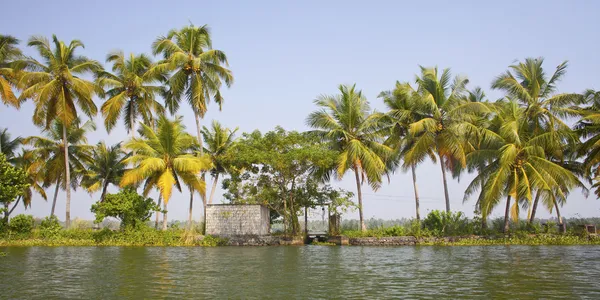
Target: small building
(237,219)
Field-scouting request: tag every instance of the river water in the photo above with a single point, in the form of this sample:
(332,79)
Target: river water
(568,272)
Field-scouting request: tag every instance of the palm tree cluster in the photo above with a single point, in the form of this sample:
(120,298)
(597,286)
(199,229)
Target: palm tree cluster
(62,83)
(518,146)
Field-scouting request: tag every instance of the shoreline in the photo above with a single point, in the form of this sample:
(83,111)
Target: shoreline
(262,241)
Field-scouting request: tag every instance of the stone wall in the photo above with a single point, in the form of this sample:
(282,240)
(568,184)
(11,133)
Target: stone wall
(237,220)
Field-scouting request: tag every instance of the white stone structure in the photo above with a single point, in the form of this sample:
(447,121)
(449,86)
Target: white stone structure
(237,219)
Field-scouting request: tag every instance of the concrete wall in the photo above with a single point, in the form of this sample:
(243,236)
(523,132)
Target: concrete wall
(230,220)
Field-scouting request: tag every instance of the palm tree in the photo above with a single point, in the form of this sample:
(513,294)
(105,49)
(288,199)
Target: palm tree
(57,91)
(588,128)
(51,151)
(444,120)
(400,115)
(9,146)
(527,83)
(107,166)
(8,54)
(219,141)
(345,121)
(163,159)
(519,163)
(130,90)
(34,169)
(198,70)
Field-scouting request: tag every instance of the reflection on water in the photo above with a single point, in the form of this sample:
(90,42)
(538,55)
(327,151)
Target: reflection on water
(302,272)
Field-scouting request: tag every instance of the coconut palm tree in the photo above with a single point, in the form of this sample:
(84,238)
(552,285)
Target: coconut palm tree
(346,123)
(107,166)
(51,151)
(400,115)
(57,90)
(8,54)
(9,146)
(588,128)
(34,169)
(219,141)
(519,163)
(445,116)
(163,159)
(527,83)
(131,90)
(199,71)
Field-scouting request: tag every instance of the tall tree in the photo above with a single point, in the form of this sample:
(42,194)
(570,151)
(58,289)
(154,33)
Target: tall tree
(34,174)
(107,166)
(57,90)
(199,70)
(527,83)
(588,128)
(219,141)
(8,54)
(400,102)
(444,120)
(9,146)
(50,150)
(131,90)
(163,159)
(519,164)
(346,123)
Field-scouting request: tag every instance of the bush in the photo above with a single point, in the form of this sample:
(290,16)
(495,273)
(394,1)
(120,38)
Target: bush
(212,241)
(441,223)
(22,224)
(132,209)
(50,227)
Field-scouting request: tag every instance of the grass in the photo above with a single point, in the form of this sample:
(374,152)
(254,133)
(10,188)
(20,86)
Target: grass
(106,237)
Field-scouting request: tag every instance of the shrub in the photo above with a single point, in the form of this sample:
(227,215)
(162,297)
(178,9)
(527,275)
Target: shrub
(128,206)
(22,224)
(50,227)
(212,241)
(442,223)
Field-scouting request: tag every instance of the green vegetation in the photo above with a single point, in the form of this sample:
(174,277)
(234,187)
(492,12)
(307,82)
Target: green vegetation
(130,208)
(520,148)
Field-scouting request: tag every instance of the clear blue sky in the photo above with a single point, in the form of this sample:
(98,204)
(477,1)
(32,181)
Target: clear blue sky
(284,53)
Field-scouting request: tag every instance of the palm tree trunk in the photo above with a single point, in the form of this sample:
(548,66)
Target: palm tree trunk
(14,206)
(67,179)
(414,176)
(158,212)
(445,183)
(131,121)
(164,224)
(191,206)
(104,187)
(560,220)
(535,204)
(214,187)
(506,215)
(199,131)
(54,201)
(363,228)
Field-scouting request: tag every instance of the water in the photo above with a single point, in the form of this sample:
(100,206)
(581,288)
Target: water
(300,272)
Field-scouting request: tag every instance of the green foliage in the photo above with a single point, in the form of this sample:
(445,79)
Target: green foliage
(21,224)
(213,241)
(442,223)
(275,169)
(128,206)
(50,227)
(13,181)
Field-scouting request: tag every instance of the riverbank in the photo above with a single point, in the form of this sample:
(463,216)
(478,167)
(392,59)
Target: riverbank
(533,239)
(179,237)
